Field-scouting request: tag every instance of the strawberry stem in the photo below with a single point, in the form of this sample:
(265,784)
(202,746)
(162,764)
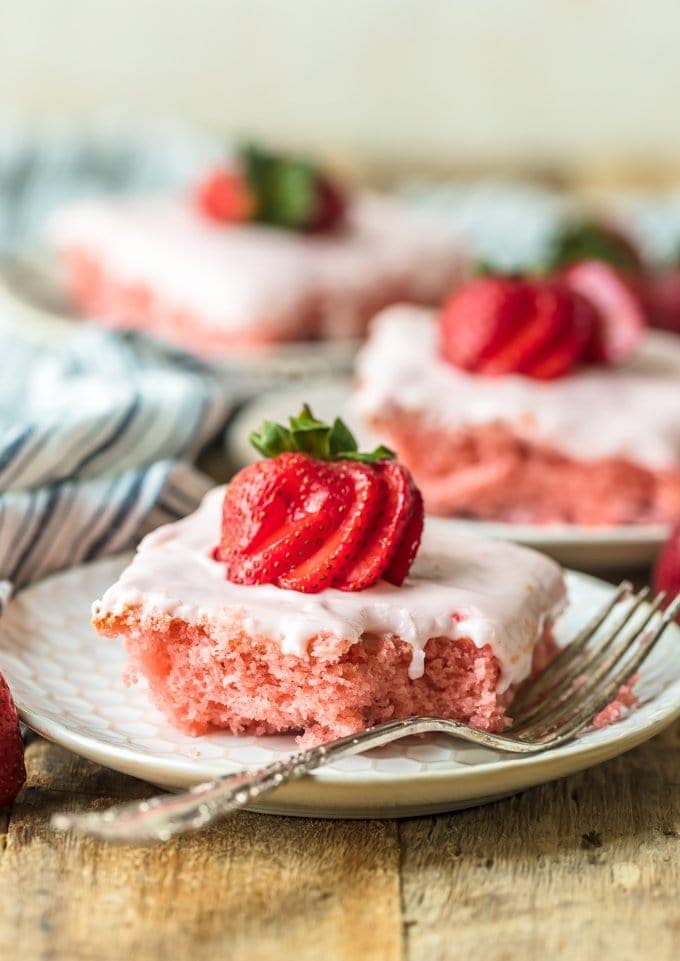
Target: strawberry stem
(289,190)
(307,435)
(592,240)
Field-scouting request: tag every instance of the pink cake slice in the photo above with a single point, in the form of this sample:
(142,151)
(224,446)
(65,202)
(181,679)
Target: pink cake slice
(472,620)
(599,446)
(161,266)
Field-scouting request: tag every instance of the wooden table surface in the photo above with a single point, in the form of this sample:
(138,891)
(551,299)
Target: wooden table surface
(584,868)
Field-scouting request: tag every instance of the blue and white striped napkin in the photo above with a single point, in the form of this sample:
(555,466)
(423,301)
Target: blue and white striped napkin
(97,441)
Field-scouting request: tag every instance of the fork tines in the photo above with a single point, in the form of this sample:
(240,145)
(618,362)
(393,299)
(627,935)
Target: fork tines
(588,673)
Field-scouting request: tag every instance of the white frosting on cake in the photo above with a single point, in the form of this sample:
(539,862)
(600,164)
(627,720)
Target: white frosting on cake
(235,275)
(460,586)
(630,411)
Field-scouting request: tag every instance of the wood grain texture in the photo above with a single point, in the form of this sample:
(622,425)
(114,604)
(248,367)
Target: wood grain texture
(587,867)
(584,868)
(255,888)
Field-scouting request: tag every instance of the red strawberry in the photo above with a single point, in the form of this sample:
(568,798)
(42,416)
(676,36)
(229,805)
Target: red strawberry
(480,318)
(666,575)
(619,307)
(12,769)
(350,510)
(566,351)
(546,326)
(408,546)
(663,298)
(285,191)
(501,325)
(318,513)
(224,196)
(389,536)
(330,205)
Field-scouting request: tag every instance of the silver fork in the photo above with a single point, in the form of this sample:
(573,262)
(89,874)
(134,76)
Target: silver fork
(549,710)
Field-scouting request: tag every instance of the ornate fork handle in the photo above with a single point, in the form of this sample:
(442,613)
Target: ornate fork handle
(162,817)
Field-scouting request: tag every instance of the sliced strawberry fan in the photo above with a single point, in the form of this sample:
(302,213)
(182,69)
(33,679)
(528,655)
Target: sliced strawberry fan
(542,327)
(318,513)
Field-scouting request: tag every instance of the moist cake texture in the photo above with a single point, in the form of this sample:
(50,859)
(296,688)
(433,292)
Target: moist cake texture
(468,625)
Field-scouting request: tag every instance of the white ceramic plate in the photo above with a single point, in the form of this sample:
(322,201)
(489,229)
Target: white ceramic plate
(67,683)
(585,548)
(30,285)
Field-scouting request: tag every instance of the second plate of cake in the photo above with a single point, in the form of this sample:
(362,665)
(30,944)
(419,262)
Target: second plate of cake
(599,548)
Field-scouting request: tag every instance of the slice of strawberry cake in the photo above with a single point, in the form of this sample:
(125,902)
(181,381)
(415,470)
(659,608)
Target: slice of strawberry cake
(267,250)
(530,401)
(291,602)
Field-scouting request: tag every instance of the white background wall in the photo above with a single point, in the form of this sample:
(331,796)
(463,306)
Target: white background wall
(545,80)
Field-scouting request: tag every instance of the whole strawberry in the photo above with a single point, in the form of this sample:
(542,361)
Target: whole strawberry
(281,190)
(12,769)
(666,575)
(316,513)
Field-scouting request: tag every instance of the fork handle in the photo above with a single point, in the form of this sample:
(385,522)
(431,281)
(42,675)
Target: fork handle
(160,818)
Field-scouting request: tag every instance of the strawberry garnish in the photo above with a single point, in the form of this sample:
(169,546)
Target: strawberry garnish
(400,503)
(318,513)
(620,311)
(329,206)
(270,188)
(12,769)
(503,325)
(662,296)
(666,575)
(561,355)
(481,318)
(224,196)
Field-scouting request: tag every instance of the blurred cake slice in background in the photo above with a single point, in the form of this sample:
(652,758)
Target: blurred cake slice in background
(284,255)
(597,445)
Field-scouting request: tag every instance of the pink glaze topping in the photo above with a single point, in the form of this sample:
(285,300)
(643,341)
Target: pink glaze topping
(239,274)
(630,411)
(460,586)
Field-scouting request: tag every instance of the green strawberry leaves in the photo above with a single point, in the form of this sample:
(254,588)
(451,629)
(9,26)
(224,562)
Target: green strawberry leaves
(592,240)
(307,435)
(286,188)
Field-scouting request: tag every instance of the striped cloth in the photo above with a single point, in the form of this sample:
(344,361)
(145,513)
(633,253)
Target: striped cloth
(97,438)
(43,168)
(96,444)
